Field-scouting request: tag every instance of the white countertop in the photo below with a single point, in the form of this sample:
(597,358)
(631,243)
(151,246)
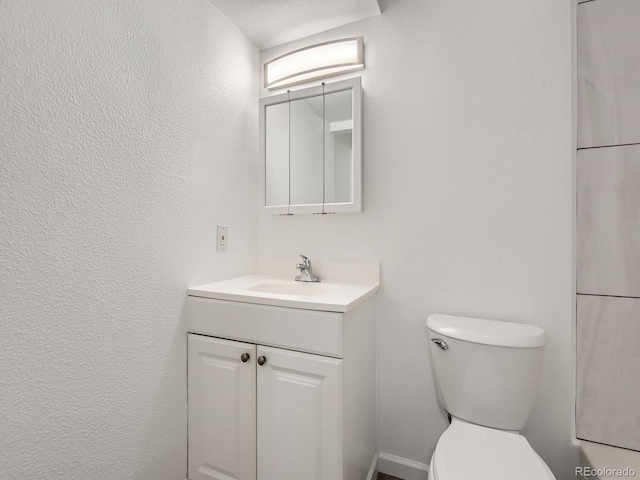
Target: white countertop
(326,296)
(344,285)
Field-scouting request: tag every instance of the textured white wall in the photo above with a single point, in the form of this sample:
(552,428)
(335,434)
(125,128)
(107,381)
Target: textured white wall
(468,197)
(128,129)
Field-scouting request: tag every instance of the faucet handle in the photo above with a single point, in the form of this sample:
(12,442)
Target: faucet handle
(306,263)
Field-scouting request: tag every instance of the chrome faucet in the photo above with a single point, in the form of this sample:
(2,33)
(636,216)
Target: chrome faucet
(306,275)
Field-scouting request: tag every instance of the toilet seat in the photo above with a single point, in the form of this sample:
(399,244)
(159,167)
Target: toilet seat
(466,451)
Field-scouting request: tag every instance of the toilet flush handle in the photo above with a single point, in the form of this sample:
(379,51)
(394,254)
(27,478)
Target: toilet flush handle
(441,343)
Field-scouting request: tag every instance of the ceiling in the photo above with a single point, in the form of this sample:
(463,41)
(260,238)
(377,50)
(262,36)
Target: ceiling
(273,22)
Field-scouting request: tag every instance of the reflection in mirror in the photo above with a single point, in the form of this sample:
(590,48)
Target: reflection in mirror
(338,145)
(277,154)
(305,150)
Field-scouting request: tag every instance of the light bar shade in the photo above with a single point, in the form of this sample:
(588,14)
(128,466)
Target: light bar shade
(315,62)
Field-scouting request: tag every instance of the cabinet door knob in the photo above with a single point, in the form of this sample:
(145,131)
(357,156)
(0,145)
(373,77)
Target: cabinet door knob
(262,360)
(245,357)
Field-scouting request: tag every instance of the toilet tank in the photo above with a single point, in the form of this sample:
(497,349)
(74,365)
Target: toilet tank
(490,370)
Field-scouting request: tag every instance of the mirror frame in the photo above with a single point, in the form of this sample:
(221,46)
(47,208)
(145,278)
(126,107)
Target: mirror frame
(353,84)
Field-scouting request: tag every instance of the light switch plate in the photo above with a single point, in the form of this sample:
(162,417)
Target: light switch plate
(222,238)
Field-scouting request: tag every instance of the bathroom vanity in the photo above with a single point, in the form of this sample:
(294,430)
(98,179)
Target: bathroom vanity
(282,379)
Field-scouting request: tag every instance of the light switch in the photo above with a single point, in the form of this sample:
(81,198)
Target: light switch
(223,238)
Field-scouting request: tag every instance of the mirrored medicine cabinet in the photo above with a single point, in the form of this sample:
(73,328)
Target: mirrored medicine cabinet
(311,147)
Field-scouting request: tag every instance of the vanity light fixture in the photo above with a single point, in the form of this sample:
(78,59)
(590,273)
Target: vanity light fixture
(315,62)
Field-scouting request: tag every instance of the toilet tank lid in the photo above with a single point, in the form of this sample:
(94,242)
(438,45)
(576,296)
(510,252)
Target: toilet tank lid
(487,332)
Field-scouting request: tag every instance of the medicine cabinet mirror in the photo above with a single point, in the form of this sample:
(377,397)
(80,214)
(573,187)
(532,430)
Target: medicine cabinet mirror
(311,146)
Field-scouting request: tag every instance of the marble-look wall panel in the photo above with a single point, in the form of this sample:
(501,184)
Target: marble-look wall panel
(608,72)
(608,220)
(608,383)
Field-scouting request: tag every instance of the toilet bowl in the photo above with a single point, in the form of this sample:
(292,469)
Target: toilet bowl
(467,451)
(486,374)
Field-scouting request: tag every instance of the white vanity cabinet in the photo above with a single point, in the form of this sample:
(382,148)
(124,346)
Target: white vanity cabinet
(280,400)
(297,400)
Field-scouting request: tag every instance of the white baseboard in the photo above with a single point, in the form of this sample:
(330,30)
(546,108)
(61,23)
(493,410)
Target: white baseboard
(402,468)
(373,471)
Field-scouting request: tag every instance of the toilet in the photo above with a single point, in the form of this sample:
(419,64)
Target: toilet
(487,373)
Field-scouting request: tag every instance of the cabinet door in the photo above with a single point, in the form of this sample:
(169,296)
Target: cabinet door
(222,405)
(299,416)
